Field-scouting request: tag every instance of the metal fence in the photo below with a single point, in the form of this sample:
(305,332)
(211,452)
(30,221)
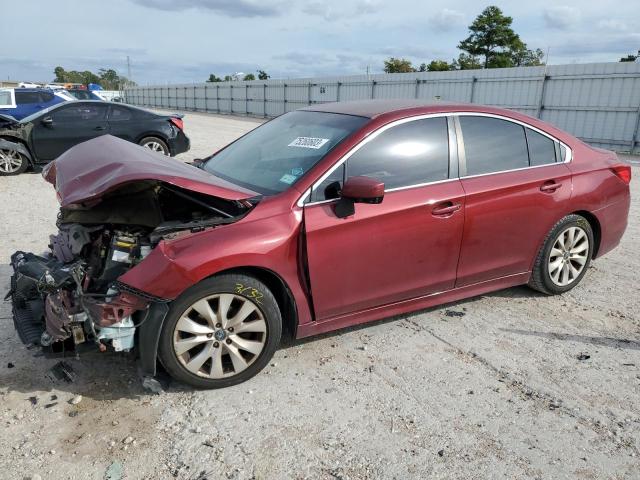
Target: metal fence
(598,102)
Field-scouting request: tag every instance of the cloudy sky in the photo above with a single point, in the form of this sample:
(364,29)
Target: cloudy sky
(185,40)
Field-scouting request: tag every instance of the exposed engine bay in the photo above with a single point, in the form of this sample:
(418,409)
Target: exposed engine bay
(70,295)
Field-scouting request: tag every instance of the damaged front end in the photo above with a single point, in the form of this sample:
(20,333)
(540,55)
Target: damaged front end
(70,297)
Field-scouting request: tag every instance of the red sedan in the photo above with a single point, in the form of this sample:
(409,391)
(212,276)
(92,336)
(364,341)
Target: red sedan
(325,217)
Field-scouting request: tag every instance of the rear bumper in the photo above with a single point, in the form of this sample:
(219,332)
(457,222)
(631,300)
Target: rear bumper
(179,144)
(613,221)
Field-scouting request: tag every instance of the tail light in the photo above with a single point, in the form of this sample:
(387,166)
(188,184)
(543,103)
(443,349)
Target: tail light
(623,172)
(177,122)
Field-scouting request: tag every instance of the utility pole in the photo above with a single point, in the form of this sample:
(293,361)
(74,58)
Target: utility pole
(128,68)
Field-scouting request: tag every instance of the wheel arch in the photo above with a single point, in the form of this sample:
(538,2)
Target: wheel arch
(19,145)
(280,290)
(595,227)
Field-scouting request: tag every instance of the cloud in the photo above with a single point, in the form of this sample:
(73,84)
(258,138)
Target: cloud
(344,10)
(613,25)
(229,8)
(561,16)
(446,19)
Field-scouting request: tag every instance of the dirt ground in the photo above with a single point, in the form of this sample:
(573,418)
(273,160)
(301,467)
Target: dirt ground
(508,385)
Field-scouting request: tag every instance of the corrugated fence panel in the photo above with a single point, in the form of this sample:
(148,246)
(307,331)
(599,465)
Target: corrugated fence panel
(598,102)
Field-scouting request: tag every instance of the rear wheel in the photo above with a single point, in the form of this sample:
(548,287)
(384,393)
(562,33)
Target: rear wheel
(155,144)
(564,257)
(12,162)
(221,332)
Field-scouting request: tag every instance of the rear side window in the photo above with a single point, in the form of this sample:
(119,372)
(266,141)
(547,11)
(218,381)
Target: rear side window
(493,145)
(23,98)
(119,113)
(409,154)
(542,149)
(80,113)
(46,97)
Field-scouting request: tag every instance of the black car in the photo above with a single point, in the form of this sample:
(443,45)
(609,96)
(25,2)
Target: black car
(43,136)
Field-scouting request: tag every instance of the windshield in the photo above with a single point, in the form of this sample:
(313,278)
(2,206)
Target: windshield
(277,154)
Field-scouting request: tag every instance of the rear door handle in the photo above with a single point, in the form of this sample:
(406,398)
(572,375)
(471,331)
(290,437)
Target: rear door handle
(550,187)
(446,208)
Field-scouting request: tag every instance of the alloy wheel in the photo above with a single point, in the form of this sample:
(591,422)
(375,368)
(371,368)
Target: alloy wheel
(10,161)
(568,256)
(155,146)
(220,336)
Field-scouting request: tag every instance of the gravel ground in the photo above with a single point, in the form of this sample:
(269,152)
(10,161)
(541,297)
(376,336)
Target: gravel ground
(508,385)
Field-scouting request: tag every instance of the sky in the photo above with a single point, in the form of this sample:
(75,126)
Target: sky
(171,41)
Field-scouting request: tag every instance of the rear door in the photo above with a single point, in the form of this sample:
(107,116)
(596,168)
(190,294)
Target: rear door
(66,126)
(403,248)
(516,188)
(121,120)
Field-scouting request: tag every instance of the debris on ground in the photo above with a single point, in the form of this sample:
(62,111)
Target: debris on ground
(583,356)
(10,365)
(114,471)
(76,400)
(454,313)
(62,371)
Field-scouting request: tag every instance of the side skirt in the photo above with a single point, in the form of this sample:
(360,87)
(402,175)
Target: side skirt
(412,305)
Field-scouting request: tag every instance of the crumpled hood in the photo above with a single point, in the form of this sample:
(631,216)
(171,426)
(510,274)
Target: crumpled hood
(93,168)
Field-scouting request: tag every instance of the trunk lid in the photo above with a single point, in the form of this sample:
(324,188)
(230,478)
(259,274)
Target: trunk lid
(93,168)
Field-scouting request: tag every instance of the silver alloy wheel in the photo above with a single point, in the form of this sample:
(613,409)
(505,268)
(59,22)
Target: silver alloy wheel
(568,256)
(155,146)
(220,336)
(10,161)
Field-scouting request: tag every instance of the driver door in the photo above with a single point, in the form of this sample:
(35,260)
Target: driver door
(407,246)
(56,132)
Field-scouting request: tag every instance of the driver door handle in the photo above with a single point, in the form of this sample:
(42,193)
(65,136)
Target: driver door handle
(100,128)
(550,187)
(445,208)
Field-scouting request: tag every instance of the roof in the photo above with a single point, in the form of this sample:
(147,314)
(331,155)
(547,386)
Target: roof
(375,108)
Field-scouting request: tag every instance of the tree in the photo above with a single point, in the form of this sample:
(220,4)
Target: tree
(423,67)
(214,78)
(493,40)
(262,75)
(466,62)
(398,65)
(228,78)
(438,66)
(631,57)
(249,77)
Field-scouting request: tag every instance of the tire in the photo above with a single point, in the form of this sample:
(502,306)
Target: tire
(156,144)
(12,163)
(204,347)
(563,258)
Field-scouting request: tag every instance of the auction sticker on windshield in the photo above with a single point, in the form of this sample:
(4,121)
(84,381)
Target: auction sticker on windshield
(309,142)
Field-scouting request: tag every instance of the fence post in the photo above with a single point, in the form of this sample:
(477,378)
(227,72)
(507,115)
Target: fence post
(206,101)
(284,96)
(373,89)
(231,99)
(309,93)
(542,92)
(264,99)
(246,99)
(636,133)
(338,92)
(417,92)
(474,79)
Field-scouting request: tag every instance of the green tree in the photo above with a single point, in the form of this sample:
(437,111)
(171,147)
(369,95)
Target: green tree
(438,66)
(466,62)
(262,75)
(228,78)
(214,78)
(422,67)
(493,40)
(631,57)
(248,77)
(398,65)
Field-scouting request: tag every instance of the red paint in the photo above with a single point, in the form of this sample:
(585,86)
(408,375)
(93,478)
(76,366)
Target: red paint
(420,247)
(363,188)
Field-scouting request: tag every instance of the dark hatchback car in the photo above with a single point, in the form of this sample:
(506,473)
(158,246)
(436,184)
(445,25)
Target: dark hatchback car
(43,136)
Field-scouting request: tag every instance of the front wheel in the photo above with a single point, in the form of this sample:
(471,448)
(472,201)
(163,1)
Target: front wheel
(155,144)
(12,162)
(564,257)
(220,332)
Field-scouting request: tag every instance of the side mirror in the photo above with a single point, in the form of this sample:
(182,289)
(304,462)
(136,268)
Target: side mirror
(47,121)
(358,190)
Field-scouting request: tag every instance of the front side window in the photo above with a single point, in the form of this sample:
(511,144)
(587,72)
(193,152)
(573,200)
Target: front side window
(77,113)
(274,156)
(493,145)
(412,153)
(542,149)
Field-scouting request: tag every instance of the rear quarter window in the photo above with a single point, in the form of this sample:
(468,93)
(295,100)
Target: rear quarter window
(542,149)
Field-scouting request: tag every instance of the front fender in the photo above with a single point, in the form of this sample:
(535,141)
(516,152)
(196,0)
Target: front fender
(267,243)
